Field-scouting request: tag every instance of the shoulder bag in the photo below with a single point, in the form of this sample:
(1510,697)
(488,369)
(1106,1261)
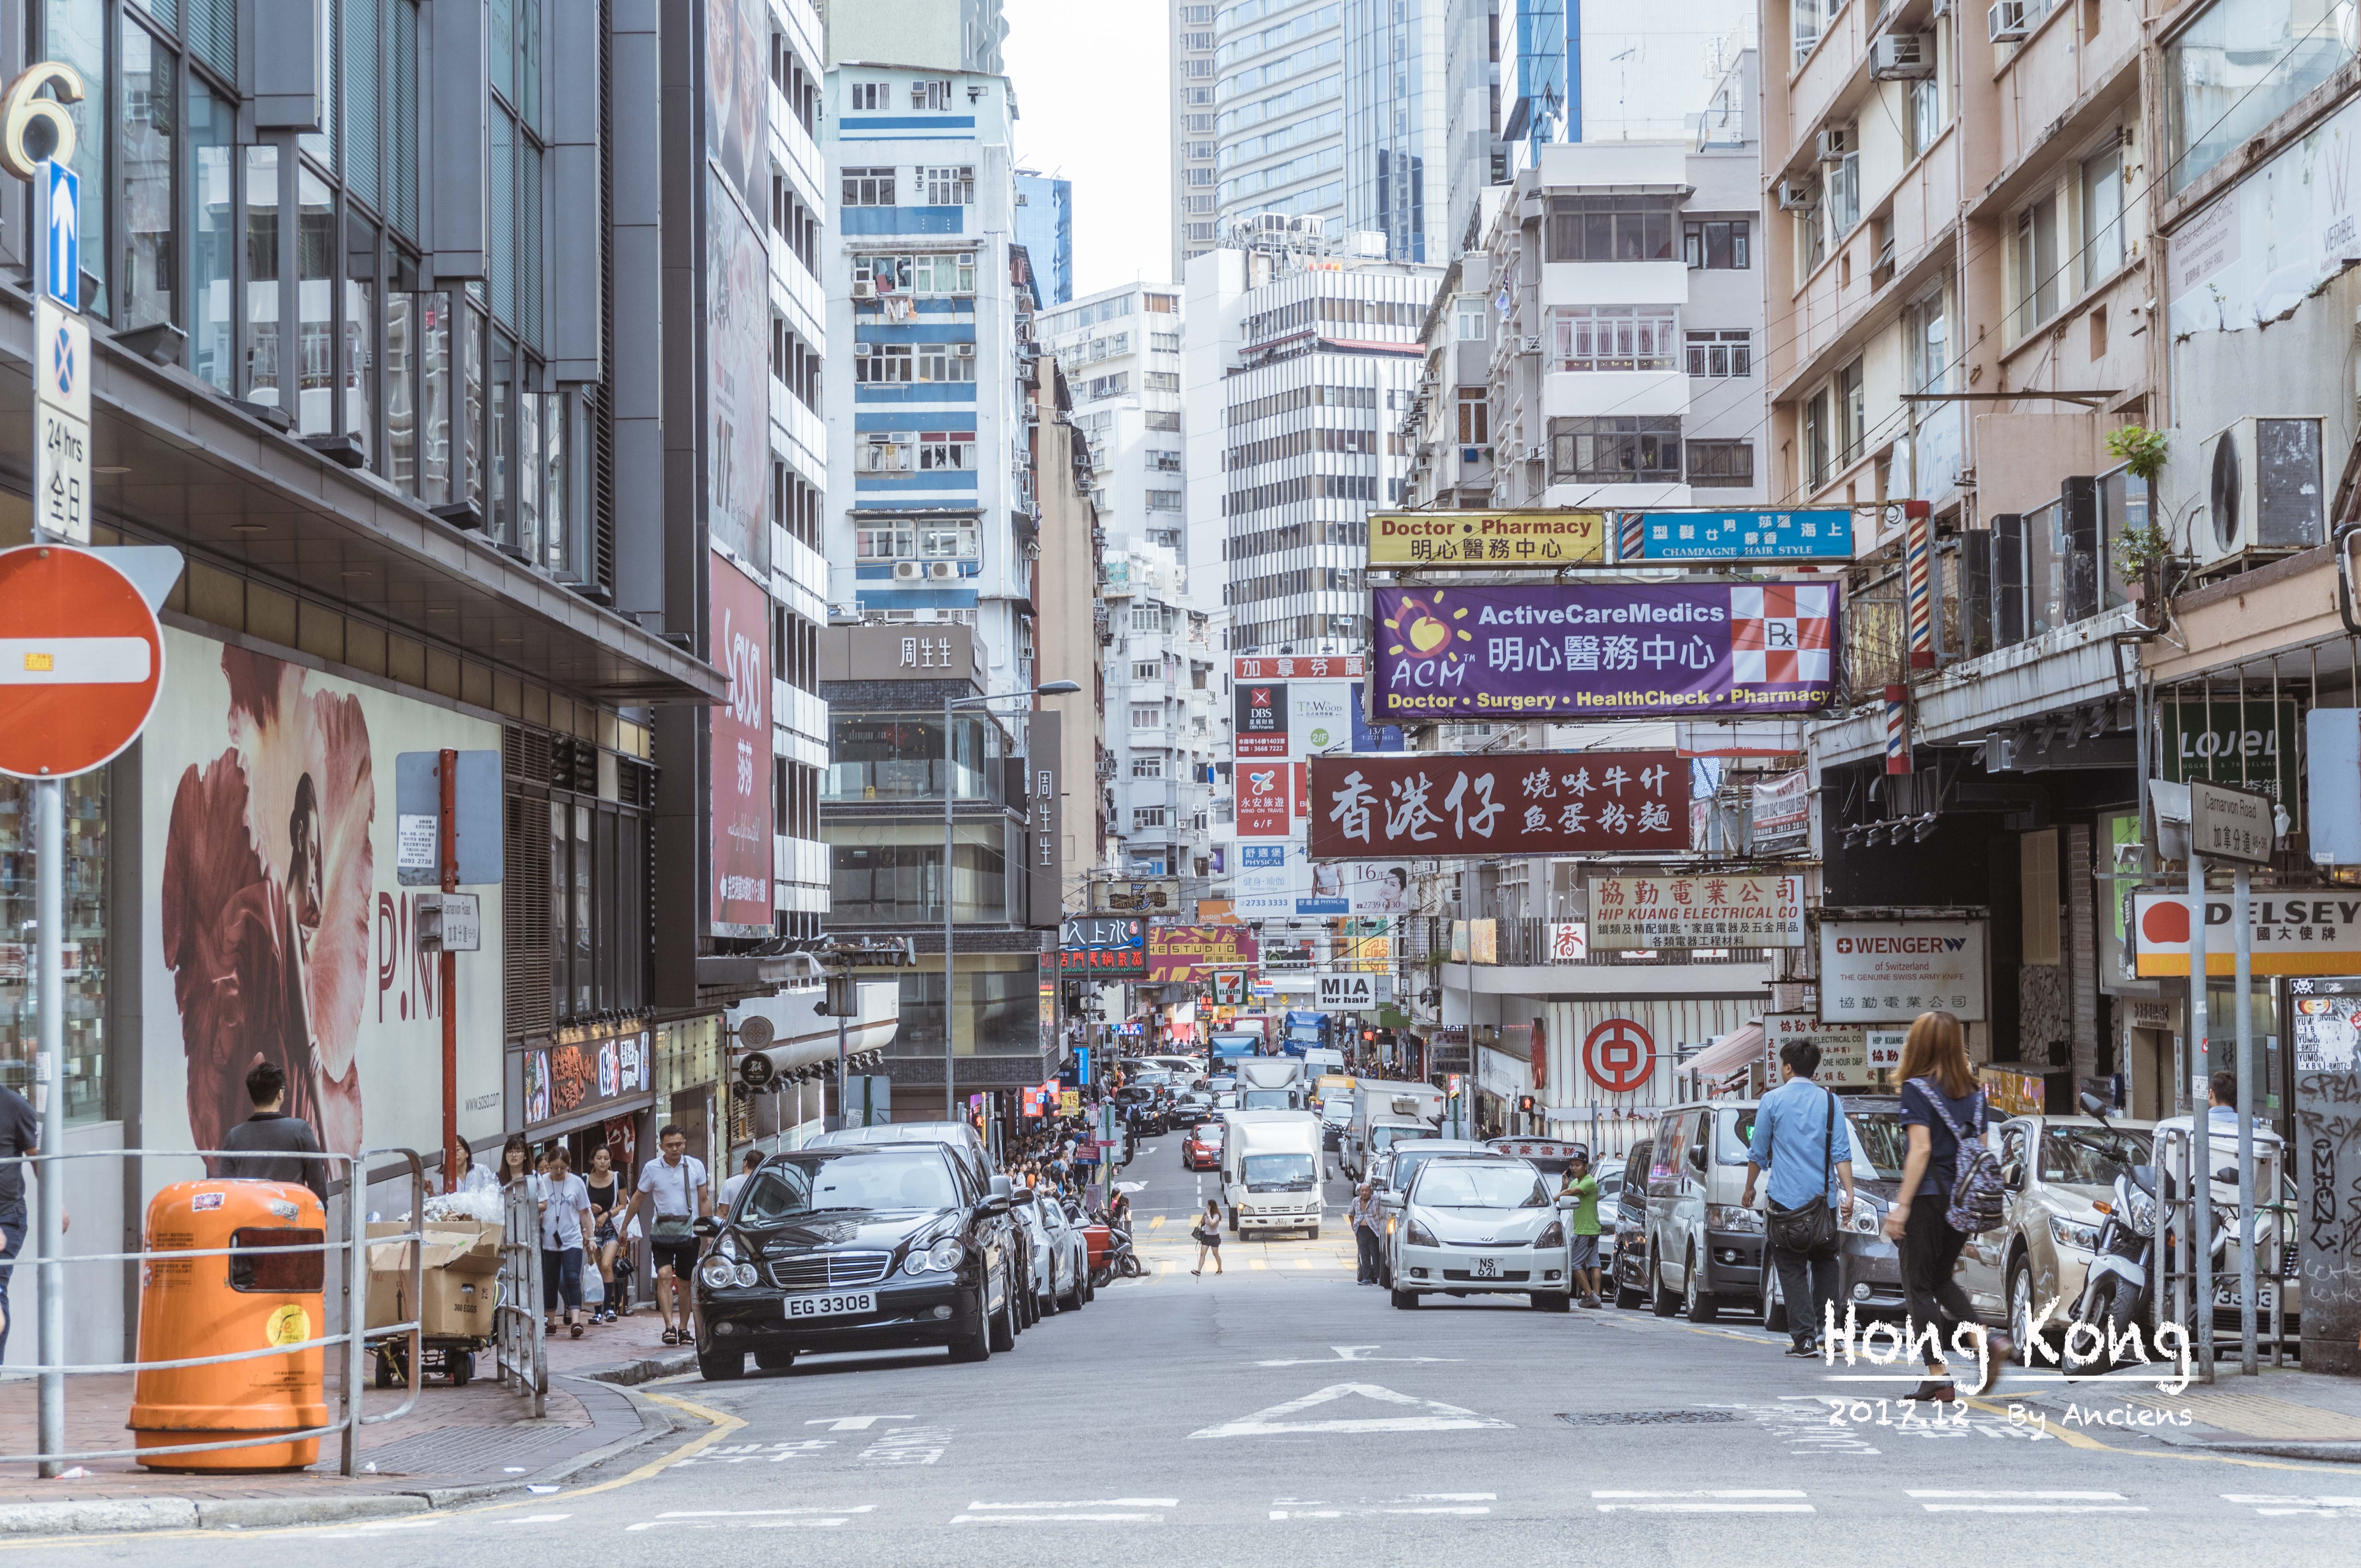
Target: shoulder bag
(1811,1226)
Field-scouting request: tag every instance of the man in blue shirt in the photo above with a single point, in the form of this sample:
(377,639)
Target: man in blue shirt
(1809,1156)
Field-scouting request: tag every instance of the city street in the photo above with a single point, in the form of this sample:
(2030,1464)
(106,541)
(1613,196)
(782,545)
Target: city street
(1280,1413)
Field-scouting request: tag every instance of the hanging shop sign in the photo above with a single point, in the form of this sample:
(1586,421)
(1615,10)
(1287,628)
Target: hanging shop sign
(1822,535)
(1492,541)
(1783,812)
(573,1077)
(1696,912)
(1149,895)
(1889,972)
(1262,799)
(1535,803)
(2297,931)
(2249,745)
(1259,718)
(1851,1056)
(1181,953)
(1604,650)
(1298,667)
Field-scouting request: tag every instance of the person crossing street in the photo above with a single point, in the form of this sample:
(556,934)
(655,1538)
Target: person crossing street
(1366,1216)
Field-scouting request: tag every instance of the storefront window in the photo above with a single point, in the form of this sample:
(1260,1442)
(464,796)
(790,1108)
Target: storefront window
(899,756)
(84,937)
(315,305)
(144,166)
(892,874)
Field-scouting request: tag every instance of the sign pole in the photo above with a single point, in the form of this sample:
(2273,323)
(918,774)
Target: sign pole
(2200,1236)
(49,917)
(448,768)
(2247,1354)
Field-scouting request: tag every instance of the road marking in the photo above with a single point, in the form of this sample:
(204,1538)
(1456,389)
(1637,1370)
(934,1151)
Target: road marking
(754,1518)
(1460,1503)
(1709,1501)
(1109,1510)
(1433,1415)
(1258,1263)
(853,1424)
(2026,1503)
(2274,1506)
(534,1518)
(1356,1352)
(1158,1223)
(908,1445)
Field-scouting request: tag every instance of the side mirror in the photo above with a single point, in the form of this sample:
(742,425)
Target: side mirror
(706,1227)
(1022,1195)
(1002,1185)
(996,1204)
(1567,1201)
(2011,1176)
(2093,1106)
(1697,1158)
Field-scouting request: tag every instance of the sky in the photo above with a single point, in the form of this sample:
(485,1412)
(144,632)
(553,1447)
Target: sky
(1094,106)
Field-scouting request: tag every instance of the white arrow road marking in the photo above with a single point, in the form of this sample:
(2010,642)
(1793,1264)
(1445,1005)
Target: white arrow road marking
(75,661)
(854,1423)
(1435,1415)
(1727,1501)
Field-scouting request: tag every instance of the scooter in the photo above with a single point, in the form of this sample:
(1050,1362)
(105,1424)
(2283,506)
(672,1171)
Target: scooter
(2116,1284)
(1119,1261)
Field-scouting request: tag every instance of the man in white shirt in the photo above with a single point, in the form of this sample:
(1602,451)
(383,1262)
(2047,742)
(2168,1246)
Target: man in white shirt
(747,1166)
(675,1193)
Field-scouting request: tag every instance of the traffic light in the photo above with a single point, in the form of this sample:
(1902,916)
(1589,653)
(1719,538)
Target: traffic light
(1525,1105)
(1368,1037)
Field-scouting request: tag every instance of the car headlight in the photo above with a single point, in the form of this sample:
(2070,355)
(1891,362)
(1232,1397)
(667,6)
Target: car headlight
(746,1276)
(1732,1217)
(2069,1234)
(1419,1235)
(1867,1219)
(1552,1235)
(717,1272)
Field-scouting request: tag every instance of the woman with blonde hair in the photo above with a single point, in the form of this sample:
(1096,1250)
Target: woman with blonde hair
(1940,1106)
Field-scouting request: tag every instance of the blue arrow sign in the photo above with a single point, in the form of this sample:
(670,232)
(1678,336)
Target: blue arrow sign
(61,223)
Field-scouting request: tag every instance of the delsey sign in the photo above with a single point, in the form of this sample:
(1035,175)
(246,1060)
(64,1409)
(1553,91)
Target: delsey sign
(2315,931)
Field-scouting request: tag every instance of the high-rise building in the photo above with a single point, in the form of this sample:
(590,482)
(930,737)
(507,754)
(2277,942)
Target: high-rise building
(1193,130)
(1610,70)
(1045,228)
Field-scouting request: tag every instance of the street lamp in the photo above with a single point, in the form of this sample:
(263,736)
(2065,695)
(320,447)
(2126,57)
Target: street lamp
(951,706)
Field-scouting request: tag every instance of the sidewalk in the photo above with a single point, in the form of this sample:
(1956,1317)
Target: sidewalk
(456,1445)
(2285,1413)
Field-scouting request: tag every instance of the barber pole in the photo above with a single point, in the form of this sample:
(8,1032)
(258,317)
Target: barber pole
(1898,732)
(1920,526)
(1630,536)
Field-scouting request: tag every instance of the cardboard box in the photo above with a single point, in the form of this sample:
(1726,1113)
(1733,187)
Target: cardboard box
(460,1284)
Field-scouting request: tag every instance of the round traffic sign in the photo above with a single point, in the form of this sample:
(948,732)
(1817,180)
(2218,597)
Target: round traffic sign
(1619,1055)
(81,661)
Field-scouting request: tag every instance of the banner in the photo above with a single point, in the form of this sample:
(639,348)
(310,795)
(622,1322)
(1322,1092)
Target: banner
(1497,541)
(1850,1054)
(1604,650)
(1259,718)
(1262,800)
(1889,972)
(741,756)
(1825,534)
(1690,912)
(1179,953)
(1264,883)
(1347,667)
(1782,811)
(2296,931)
(1544,803)
(1377,887)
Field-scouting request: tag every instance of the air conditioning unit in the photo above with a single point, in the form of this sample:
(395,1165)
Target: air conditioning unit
(909,571)
(903,437)
(1798,195)
(2006,21)
(2263,491)
(1528,345)
(1901,57)
(863,289)
(942,571)
(1837,143)
(964,351)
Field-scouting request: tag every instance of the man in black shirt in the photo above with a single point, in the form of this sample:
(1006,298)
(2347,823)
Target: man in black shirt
(269,1129)
(20,1138)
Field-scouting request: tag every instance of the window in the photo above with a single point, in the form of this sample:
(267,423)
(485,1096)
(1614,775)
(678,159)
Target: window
(869,97)
(878,364)
(2241,65)
(2036,263)
(950,187)
(1147,816)
(1163,419)
(1811,238)
(946,361)
(1715,244)
(1609,229)
(1147,670)
(2102,216)
(1159,381)
(1634,451)
(946,450)
(931,95)
(1148,765)
(885,541)
(1163,461)
(1159,304)
(1475,417)
(1843,198)
(1164,342)
(1927,339)
(1926,111)
(1112,385)
(1467,317)
(868,187)
(1164,500)
(1806,20)
(1147,617)
(932,273)
(1721,463)
(949,541)
(1720,354)
(1614,337)
(883,454)
(1146,715)
(1852,427)
(1816,439)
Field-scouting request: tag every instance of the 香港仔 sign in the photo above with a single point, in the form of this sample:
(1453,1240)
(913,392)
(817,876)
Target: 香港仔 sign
(1889,972)
(1689,911)
(1544,803)
(1604,650)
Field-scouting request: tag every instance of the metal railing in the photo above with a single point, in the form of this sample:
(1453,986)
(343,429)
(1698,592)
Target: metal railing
(50,1454)
(2174,1298)
(520,1336)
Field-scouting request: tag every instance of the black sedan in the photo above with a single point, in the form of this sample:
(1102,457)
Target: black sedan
(861,1247)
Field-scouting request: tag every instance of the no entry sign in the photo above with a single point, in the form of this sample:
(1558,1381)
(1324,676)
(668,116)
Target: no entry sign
(1619,1055)
(81,661)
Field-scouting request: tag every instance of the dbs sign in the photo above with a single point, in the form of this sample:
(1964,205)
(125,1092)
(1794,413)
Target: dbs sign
(1619,1055)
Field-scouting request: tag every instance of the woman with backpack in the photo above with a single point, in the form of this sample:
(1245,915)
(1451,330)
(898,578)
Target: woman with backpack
(1942,1112)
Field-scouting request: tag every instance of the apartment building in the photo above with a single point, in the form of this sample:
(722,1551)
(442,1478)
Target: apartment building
(1628,312)
(1193,130)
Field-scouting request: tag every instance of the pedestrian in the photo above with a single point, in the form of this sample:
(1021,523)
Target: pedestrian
(474,1176)
(751,1162)
(1366,1216)
(606,1196)
(677,1195)
(1582,1227)
(1940,1106)
(20,1139)
(1209,1237)
(565,1223)
(2222,1106)
(279,1139)
(1796,1140)
(516,1161)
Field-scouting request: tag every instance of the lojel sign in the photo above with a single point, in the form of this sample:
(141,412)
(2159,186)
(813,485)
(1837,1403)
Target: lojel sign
(1544,803)
(1696,912)
(2248,745)
(1889,972)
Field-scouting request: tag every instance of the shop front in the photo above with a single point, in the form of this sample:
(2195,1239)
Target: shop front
(592,1087)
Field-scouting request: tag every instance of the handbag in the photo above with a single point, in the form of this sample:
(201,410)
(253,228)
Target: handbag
(1811,1226)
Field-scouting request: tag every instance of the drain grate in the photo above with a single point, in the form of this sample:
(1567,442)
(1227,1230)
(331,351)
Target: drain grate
(1650,1418)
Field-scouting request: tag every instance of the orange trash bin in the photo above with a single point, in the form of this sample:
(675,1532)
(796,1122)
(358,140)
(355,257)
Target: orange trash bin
(219,1305)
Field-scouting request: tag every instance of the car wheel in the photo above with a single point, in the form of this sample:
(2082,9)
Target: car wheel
(1046,1303)
(775,1360)
(2020,1311)
(1697,1304)
(1665,1303)
(1072,1301)
(1405,1300)
(1315,1233)
(1003,1325)
(1233,1222)
(721,1365)
(1627,1296)
(975,1343)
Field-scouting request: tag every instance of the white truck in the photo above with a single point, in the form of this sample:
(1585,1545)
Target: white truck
(1385,1112)
(1273,1083)
(1271,1171)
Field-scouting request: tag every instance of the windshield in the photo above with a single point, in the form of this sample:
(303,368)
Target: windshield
(1208,1133)
(1406,1163)
(1880,1142)
(1452,1185)
(2089,1157)
(815,1182)
(1279,1173)
(1269,1100)
(1385,1138)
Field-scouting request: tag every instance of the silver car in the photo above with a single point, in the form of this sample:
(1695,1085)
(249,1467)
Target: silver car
(1478,1226)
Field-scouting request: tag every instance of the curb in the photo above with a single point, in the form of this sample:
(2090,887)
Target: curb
(2318,1452)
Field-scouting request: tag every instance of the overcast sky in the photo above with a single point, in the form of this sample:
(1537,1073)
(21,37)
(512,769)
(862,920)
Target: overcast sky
(1093,107)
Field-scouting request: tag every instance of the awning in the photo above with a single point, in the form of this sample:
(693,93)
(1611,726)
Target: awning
(1731,1053)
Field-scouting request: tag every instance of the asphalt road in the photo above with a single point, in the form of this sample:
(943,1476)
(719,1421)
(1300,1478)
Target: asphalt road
(1280,1414)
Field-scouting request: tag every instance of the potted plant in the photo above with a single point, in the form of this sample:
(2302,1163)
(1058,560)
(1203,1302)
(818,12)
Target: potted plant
(2140,552)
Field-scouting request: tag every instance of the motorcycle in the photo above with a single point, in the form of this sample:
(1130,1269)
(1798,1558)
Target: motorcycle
(1117,1259)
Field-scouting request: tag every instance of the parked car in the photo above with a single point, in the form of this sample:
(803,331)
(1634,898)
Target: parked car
(1482,1223)
(1395,1169)
(1623,1229)
(1704,1246)
(1202,1148)
(858,1246)
(1065,1283)
(965,1143)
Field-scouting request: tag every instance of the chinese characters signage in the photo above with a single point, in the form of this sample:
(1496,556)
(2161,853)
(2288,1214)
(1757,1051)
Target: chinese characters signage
(1262,799)
(1180,953)
(741,756)
(1604,650)
(1851,1056)
(2302,932)
(1820,535)
(1259,718)
(1696,912)
(581,1075)
(1535,803)
(1889,972)
(1320,667)
(2248,745)
(1494,541)
(1113,962)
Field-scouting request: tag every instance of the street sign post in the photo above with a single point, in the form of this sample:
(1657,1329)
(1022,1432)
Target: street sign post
(61,361)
